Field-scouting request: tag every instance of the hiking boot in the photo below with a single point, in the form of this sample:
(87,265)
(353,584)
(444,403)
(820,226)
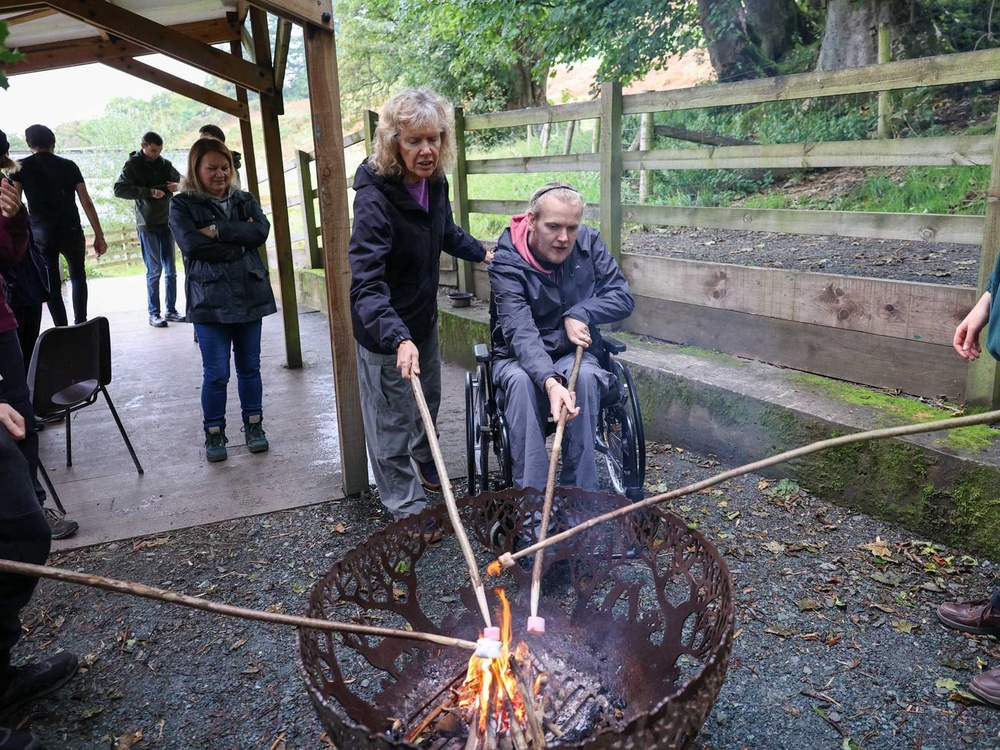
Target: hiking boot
(18,739)
(978,617)
(175,317)
(36,679)
(427,473)
(215,444)
(157,322)
(62,527)
(986,687)
(253,431)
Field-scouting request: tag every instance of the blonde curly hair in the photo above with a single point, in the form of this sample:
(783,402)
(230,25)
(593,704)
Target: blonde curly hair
(413,108)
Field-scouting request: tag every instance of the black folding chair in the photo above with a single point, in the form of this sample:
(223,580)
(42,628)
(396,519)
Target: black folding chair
(70,366)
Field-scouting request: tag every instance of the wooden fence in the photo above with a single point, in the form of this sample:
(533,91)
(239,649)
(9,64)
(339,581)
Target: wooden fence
(888,334)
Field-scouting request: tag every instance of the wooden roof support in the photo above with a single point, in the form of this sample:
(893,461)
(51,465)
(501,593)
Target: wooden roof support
(331,185)
(31,15)
(282,40)
(179,86)
(317,12)
(135,28)
(279,199)
(246,131)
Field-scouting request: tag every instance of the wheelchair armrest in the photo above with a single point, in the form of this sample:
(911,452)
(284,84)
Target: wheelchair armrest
(613,346)
(482,352)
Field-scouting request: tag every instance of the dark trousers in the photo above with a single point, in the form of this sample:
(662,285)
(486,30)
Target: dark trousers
(72,245)
(24,537)
(29,325)
(14,389)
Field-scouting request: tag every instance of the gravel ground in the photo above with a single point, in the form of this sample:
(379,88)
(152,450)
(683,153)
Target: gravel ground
(837,645)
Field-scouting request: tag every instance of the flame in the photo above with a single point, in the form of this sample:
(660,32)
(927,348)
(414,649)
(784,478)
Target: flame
(490,685)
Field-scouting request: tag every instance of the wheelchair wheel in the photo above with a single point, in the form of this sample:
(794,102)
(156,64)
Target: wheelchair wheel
(623,437)
(505,459)
(477,431)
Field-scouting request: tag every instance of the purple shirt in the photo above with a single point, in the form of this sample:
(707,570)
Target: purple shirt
(419,193)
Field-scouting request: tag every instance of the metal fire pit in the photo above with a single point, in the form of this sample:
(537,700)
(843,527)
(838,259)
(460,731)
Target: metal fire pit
(639,615)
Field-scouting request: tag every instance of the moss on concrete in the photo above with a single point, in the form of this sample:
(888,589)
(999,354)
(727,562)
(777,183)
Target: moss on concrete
(975,510)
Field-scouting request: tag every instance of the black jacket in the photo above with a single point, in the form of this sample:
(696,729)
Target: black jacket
(136,182)
(225,279)
(395,256)
(527,307)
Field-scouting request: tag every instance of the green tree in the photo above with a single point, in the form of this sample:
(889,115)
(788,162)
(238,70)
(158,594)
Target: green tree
(7,56)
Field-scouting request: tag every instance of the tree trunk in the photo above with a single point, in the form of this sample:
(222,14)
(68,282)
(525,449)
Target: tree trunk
(529,89)
(777,25)
(734,52)
(850,37)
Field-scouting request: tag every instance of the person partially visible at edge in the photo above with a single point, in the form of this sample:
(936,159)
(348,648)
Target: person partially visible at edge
(219,229)
(981,617)
(402,223)
(13,383)
(24,537)
(52,185)
(214,131)
(553,283)
(149,180)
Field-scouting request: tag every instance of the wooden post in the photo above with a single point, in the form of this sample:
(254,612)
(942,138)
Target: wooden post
(460,189)
(307,193)
(611,167)
(645,139)
(279,198)
(982,387)
(884,102)
(250,183)
(371,122)
(568,139)
(595,141)
(331,186)
(544,137)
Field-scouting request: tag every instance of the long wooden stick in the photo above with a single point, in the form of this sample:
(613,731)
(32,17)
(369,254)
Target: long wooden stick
(550,486)
(151,592)
(507,559)
(449,500)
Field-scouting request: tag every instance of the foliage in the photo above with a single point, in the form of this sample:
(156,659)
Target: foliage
(6,55)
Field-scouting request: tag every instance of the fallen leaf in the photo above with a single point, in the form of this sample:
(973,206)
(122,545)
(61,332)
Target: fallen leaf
(808,605)
(775,547)
(902,626)
(878,548)
(889,579)
(127,740)
(946,683)
(779,631)
(340,528)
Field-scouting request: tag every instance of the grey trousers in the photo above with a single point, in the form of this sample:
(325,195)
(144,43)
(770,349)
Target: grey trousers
(394,430)
(527,408)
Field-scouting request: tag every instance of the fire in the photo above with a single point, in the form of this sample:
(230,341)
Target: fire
(490,685)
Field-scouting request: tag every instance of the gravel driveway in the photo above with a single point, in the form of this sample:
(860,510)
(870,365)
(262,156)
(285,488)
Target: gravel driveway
(837,645)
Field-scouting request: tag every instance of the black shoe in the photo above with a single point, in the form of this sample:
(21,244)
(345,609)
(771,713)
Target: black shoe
(427,473)
(37,679)
(175,317)
(62,527)
(157,322)
(18,739)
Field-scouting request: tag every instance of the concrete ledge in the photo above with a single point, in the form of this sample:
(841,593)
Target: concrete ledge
(944,485)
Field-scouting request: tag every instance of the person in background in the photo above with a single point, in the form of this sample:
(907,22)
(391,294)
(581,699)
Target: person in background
(402,223)
(52,185)
(24,537)
(214,131)
(219,229)
(13,384)
(553,282)
(149,180)
(981,617)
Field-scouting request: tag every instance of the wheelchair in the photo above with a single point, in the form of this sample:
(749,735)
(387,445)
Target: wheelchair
(620,438)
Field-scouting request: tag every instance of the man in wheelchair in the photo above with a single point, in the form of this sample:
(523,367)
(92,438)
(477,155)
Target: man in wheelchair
(553,283)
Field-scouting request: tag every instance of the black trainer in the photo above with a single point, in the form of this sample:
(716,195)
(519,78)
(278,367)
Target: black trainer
(37,679)
(18,739)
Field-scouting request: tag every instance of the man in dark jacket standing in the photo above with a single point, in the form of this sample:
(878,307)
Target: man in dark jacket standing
(553,282)
(149,179)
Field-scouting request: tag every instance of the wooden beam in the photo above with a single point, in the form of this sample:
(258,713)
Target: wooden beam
(279,200)
(31,15)
(135,28)
(90,50)
(331,185)
(179,86)
(246,131)
(282,41)
(316,12)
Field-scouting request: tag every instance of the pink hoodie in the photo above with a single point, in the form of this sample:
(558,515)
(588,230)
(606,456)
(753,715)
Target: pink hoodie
(519,238)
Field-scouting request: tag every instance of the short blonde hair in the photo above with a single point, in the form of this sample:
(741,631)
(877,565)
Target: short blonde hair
(414,108)
(561,190)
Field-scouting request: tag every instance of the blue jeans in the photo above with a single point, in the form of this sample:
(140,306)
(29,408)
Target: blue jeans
(217,340)
(159,256)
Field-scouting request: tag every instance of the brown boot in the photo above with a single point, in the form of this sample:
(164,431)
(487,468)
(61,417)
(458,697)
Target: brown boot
(986,687)
(979,618)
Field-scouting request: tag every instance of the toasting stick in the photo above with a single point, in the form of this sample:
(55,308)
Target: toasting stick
(151,592)
(536,624)
(456,520)
(507,559)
